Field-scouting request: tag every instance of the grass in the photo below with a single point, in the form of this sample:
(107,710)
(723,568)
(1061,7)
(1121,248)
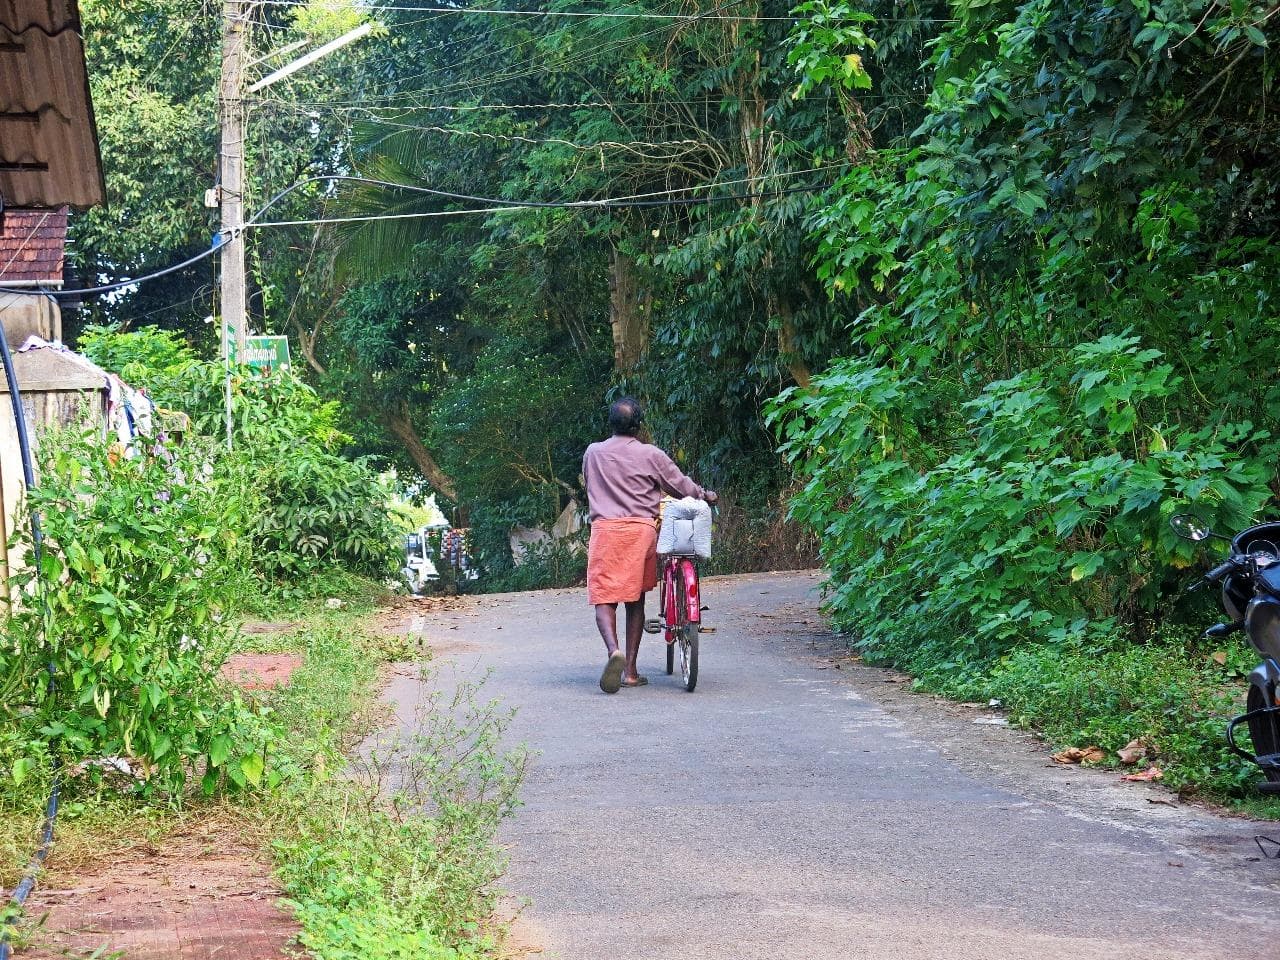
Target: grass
(370,871)
(397,858)
(1176,692)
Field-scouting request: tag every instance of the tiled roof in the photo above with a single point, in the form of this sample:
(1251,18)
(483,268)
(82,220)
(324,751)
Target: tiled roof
(48,141)
(51,16)
(32,244)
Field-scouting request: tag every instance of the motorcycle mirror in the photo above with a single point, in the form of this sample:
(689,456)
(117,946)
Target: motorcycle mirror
(1190,527)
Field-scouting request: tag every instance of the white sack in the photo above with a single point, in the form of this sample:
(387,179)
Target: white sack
(686,528)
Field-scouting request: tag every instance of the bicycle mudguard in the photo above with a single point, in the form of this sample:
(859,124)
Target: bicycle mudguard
(692,599)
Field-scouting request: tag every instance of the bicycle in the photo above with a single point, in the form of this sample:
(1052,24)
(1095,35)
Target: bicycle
(680,605)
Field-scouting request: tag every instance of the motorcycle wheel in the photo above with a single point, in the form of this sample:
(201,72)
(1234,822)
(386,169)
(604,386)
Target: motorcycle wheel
(1264,731)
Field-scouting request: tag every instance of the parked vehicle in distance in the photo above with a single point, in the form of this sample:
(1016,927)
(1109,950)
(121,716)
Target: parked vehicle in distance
(418,569)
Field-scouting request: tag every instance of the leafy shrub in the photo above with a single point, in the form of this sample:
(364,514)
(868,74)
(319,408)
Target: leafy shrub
(137,556)
(1045,513)
(144,354)
(313,507)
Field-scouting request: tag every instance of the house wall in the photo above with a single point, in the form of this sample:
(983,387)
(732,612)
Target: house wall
(51,396)
(24,315)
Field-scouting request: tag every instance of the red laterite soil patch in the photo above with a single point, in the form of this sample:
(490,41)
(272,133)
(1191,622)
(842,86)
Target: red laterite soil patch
(261,671)
(201,894)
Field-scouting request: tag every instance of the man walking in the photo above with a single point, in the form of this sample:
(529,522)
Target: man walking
(625,481)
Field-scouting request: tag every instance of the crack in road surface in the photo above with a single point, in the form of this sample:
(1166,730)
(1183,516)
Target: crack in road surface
(789,809)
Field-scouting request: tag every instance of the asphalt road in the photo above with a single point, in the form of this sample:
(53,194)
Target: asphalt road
(792,809)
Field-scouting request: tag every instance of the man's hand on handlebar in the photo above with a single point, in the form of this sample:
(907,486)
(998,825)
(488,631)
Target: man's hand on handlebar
(712,497)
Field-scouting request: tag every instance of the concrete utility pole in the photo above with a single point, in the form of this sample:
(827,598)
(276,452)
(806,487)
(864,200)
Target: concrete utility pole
(235,22)
(234,298)
(231,176)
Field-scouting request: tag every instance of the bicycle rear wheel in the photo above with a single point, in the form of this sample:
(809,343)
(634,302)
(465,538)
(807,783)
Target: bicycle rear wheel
(688,643)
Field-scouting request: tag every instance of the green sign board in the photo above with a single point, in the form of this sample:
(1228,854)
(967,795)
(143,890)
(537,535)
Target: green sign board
(267,353)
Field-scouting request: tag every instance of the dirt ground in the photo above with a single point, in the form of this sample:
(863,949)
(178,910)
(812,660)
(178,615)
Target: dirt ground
(198,894)
(261,671)
(409,615)
(201,893)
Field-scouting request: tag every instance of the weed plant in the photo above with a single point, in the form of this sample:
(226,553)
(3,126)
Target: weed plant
(398,856)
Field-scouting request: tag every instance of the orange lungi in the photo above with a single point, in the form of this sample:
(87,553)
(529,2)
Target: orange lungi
(622,560)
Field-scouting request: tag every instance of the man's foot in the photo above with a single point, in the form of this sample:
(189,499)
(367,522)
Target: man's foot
(611,679)
(636,681)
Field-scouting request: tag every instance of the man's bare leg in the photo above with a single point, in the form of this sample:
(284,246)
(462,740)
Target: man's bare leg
(635,630)
(607,622)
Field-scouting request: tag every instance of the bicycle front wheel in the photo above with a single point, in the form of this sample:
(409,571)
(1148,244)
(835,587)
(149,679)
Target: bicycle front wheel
(688,643)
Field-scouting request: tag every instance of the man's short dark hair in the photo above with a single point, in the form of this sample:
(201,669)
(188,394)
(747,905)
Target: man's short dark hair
(625,416)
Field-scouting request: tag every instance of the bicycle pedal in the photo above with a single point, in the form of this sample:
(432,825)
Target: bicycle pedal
(702,629)
(653,626)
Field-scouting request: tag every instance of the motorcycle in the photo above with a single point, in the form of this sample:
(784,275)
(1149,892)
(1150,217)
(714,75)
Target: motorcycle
(1250,586)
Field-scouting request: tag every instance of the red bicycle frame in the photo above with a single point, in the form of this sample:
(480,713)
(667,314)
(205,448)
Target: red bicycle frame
(680,572)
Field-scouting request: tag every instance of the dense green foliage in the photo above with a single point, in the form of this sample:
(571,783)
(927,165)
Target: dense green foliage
(1064,277)
(306,505)
(1044,517)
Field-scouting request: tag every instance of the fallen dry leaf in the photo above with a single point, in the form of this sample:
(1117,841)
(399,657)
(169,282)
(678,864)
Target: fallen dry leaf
(1146,776)
(1219,657)
(1081,755)
(1133,751)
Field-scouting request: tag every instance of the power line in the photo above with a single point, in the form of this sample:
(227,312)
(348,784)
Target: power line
(490,11)
(635,199)
(513,206)
(496,205)
(639,148)
(308,107)
(535,141)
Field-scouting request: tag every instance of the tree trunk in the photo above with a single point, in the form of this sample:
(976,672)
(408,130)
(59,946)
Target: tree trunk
(627,316)
(757,147)
(401,427)
(789,346)
(307,344)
